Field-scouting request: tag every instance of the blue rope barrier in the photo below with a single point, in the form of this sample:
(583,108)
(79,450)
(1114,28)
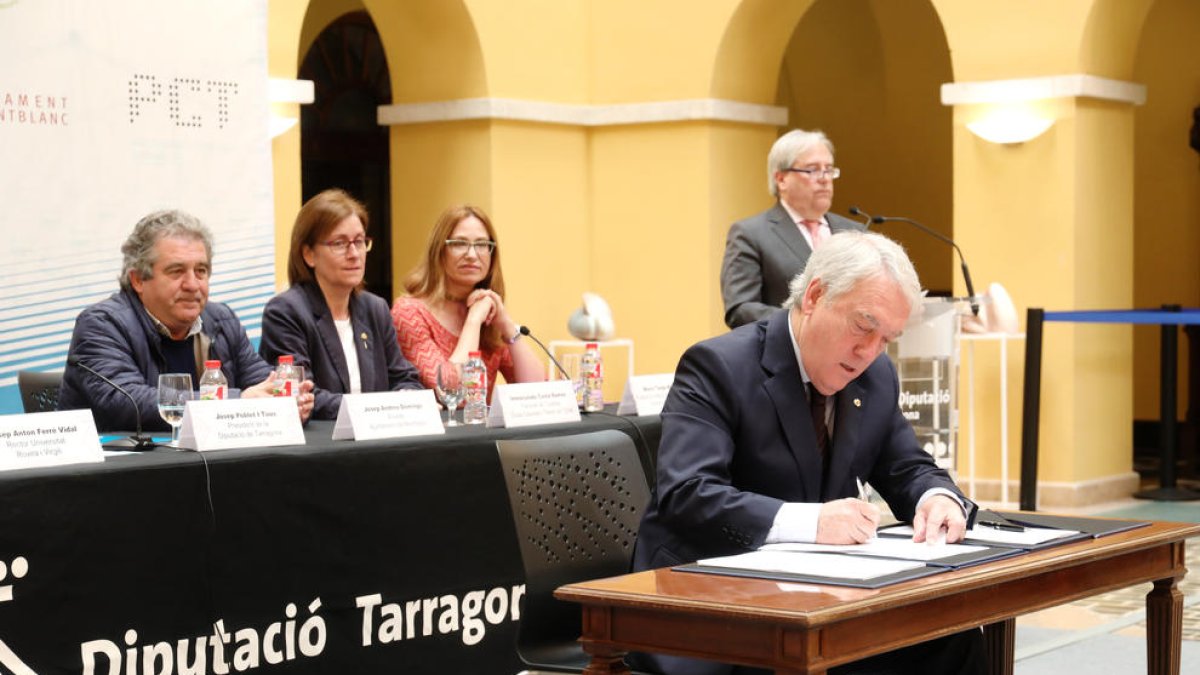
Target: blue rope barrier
(1186,317)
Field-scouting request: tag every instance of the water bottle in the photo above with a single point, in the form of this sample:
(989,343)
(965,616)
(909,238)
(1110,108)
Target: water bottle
(287,377)
(591,374)
(213,385)
(475,380)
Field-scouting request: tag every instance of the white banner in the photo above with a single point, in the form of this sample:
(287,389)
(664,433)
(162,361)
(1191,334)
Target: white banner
(108,111)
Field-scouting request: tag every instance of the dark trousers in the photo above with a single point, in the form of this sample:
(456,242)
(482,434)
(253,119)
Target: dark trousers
(959,654)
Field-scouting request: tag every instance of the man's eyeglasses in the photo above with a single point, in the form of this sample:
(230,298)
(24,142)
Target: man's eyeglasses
(341,246)
(459,247)
(830,172)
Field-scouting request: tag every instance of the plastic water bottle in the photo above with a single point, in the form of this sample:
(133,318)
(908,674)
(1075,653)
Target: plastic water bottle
(213,385)
(287,377)
(475,379)
(591,372)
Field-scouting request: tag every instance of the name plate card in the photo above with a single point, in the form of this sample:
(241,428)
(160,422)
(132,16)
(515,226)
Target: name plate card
(388,414)
(48,439)
(645,394)
(530,403)
(241,423)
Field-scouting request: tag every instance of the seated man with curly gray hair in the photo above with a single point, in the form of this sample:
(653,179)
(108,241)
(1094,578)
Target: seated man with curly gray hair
(160,321)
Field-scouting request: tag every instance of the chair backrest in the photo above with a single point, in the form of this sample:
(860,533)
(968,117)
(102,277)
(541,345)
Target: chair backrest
(39,389)
(576,503)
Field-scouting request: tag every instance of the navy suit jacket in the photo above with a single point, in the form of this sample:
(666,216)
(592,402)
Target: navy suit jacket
(738,442)
(763,253)
(298,322)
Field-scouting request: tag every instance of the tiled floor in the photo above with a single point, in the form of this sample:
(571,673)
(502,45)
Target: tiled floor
(1106,633)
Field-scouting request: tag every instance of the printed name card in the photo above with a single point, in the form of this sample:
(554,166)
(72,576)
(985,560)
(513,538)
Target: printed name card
(48,439)
(529,403)
(388,414)
(645,394)
(241,423)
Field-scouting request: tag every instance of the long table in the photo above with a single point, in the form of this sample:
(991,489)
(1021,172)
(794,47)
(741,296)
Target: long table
(332,557)
(804,628)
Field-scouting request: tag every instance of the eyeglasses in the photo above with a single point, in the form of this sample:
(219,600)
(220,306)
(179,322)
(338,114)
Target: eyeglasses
(459,247)
(831,172)
(342,246)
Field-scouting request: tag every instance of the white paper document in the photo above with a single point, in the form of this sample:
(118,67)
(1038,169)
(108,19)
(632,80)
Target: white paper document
(884,547)
(812,564)
(1032,536)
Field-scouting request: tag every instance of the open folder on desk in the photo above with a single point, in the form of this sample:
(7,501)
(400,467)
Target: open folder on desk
(896,548)
(876,563)
(813,568)
(1026,539)
(1090,527)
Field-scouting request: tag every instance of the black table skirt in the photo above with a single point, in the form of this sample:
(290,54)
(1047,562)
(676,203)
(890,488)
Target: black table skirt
(393,556)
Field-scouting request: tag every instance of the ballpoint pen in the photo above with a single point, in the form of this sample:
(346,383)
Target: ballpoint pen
(1008,527)
(864,490)
(997,522)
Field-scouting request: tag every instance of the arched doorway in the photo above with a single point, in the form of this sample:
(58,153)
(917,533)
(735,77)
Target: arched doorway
(868,74)
(342,145)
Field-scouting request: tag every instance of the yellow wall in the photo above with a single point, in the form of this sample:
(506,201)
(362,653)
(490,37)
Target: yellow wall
(283,34)
(638,212)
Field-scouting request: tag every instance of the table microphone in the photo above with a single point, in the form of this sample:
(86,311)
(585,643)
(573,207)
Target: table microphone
(524,330)
(137,441)
(855,211)
(936,235)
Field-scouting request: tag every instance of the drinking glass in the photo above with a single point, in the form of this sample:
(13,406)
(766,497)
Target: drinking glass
(174,391)
(449,389)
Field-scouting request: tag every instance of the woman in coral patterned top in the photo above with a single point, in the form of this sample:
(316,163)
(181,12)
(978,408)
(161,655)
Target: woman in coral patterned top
(455,304)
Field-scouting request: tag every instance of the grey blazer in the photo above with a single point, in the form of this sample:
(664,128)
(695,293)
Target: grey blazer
(763,253)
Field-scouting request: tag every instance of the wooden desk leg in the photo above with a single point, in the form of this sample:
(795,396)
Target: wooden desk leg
(1164,628)
(999,639)
(605,661)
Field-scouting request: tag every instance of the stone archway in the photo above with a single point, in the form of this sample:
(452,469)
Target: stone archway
(342,145)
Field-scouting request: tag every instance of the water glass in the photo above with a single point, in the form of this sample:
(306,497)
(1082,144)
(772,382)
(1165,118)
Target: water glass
(174,391)
(449,389)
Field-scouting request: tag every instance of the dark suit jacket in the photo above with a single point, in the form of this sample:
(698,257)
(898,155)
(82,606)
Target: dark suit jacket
(298,322)
(763,253)
(738,442)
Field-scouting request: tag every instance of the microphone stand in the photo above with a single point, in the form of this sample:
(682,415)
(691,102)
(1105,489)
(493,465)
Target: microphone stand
(940,237)
(524,330)
(137,442)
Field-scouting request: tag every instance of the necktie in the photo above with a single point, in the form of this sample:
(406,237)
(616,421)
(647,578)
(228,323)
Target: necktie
(816,404)
(814,231)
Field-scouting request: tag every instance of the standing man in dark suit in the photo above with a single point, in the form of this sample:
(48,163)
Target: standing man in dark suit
(743,463)
(764,252)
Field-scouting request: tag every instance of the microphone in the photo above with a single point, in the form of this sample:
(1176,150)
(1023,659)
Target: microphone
(940,237)
(137,441)
(855,211)
(524,330)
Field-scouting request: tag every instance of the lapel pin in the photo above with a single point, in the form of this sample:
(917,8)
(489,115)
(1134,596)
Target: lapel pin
(858,403)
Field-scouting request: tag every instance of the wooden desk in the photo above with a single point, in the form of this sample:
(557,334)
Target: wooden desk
(802,628)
